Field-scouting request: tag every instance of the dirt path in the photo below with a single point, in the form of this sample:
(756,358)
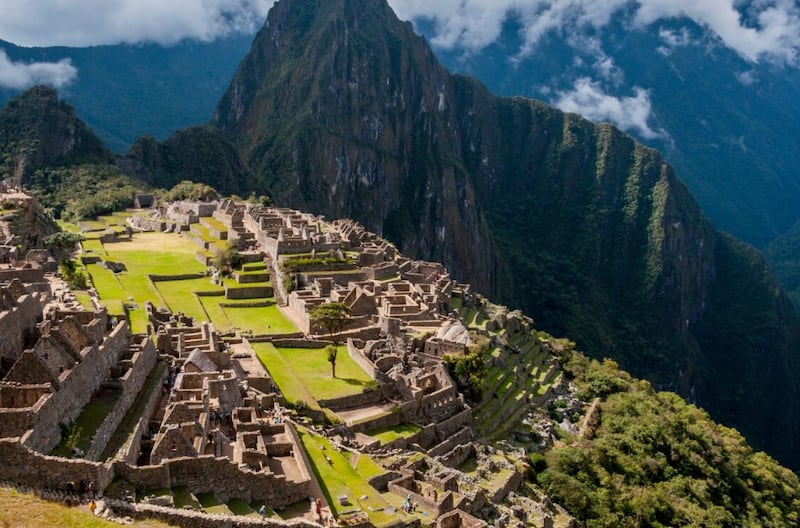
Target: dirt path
(589,419)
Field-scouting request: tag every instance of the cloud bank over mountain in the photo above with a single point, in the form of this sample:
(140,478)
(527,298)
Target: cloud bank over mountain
(588,98)
(94,22)
(758,30)
(20,75)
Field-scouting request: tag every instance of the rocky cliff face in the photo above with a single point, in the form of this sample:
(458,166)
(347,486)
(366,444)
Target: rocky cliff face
(340,108)
(38,130)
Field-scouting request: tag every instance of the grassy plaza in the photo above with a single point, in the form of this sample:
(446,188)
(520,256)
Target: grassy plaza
(170,255)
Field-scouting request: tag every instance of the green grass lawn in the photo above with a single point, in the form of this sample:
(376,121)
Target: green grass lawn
(216,313)
(260,319)
(367,468)
(285,377)
(390,434)
(179,296)
(92,225)
(213,223)
(340,478)
(106,283)
(85,299)
(240,507)
(20,510)
(157,253)
(312,367)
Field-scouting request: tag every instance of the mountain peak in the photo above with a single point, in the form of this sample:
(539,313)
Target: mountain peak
(38,130)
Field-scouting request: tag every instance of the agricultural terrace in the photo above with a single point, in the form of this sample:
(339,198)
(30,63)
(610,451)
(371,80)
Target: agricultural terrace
(168,254)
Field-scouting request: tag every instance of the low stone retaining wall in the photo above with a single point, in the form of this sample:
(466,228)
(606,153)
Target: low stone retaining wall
(193,519)
(185,276)
(300,343)
(249,278)
(248,292)
(366,398)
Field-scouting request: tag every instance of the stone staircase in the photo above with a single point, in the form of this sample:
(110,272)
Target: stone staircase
(191,339)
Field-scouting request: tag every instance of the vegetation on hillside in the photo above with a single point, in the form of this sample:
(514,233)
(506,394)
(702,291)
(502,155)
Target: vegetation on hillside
(655,460)
(84,191)
(39,130)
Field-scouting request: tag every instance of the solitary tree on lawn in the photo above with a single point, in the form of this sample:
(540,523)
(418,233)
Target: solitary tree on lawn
(332,317)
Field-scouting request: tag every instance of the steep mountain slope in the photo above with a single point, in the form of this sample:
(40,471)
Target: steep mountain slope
(727,123)
(198,154)
(38,130)
(784,256)
(340,108)
(125,91)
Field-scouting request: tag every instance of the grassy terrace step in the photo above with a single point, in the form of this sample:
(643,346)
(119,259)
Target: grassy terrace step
(254,266)
(503,429)
(512,402)
(213,223)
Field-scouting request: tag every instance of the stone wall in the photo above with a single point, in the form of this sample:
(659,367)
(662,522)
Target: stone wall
(389,419)
(77,388)
(18,324)
(130,450)
(364,399)
(185,276)
(447,428)
(459,519)
(457,456)
(142,364)
(26,275)
(407,486)
(362,360)
(220,476)
(193,519)
(25,466)
(15,422)
(248,292)
(300,343)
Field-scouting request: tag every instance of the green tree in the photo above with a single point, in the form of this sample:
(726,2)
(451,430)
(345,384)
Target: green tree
(62,243)
(332,317)
(228,259)
(331,352)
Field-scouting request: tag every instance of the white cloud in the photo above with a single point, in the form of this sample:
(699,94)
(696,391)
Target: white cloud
(757,30)
(589,99)
(747,78)
(19,75)
(675,38)
(92,22)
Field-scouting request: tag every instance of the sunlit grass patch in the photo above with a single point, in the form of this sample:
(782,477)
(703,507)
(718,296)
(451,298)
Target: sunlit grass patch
(259,319)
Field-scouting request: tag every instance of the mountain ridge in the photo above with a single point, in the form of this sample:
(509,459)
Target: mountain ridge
(573,222)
